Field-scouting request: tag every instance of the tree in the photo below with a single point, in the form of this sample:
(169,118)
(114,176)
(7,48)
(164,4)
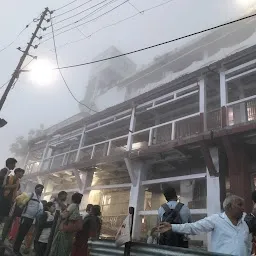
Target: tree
(20,147)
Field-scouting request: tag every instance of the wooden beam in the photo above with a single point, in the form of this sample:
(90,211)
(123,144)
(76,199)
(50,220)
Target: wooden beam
(232,161)
(208,159)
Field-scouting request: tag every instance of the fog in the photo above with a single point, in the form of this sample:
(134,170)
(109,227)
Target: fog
(29,104)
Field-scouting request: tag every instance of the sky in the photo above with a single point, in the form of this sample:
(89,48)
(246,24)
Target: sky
(30,104)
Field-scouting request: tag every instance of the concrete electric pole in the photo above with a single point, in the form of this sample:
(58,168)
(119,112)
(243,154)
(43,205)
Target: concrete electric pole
(22,59)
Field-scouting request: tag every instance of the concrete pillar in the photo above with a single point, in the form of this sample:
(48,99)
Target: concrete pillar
(223,98)
(86,179)
(213,190)
(137,196)
(202,103)
(131,129)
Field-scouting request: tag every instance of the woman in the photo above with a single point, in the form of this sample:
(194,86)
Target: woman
(91,229)
(62,243)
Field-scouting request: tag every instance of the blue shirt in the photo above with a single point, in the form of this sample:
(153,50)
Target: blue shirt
(185,214)
(226,237)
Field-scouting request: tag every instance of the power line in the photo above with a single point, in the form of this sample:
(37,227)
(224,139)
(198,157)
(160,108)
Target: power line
(115,23)
(65,5)
(57,61)
(87,21)
(71,9)
(2,86)
(72,16)
(134,7)
(86,16)
(157,45)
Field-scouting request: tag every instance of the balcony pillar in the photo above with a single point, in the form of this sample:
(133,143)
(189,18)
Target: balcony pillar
(202,103)
(131,129)
(137,196)
(223,98)
(45,153)
(81,143)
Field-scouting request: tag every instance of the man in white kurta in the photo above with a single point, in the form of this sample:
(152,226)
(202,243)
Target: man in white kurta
(230,233)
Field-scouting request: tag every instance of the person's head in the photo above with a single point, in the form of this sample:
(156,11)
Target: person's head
(19,173)
(170,194)
(11,163)
(96,211)
(77,198)
(254,196)
(44,203)
(50,207)
(89,208)
(153,231)
(39,189)
(62,196)
(234,206)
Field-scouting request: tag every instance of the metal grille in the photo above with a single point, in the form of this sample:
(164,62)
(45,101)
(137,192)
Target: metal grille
(107,247)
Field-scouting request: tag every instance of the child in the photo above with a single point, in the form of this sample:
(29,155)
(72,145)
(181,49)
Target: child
(45,223)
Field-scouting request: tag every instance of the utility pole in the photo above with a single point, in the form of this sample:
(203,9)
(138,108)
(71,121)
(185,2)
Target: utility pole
(23,57)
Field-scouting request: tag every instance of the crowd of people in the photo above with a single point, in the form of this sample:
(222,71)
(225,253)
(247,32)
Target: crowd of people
(52,228)
(56,228)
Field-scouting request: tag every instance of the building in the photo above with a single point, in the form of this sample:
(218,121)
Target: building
(104,75)
(193,128)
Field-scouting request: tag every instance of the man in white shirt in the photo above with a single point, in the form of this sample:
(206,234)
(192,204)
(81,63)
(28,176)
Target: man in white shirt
(33,208)
(230,233)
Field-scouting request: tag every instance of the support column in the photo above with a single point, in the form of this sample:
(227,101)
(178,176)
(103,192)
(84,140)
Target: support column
(239,176)
(223,98)
(86,180)
(213,190)
(131,129)
(44,156)
(137,196)
(202,104)
(80,145)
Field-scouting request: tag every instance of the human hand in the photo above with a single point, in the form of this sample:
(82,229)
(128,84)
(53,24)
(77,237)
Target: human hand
(164,227)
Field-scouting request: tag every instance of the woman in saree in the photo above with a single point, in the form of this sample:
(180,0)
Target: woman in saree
(91,229)
(62,243)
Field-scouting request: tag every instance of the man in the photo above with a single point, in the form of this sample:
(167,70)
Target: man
(32,209)
(88,210)
(10,192)
(60,201)
(173,212)
(230,233)
(10,165)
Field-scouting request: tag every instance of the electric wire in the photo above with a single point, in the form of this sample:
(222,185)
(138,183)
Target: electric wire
(157,45)
(72,16)
(20,33)
(56,16)
(16,38)
(86,16)
(57,62)
(113,24)
(103,14)
(3,85)
(134,7)
(65,5)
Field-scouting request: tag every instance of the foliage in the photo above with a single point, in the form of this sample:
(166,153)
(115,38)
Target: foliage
(20,147)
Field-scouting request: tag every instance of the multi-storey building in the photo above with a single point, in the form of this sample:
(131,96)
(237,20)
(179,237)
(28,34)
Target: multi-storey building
(188,119)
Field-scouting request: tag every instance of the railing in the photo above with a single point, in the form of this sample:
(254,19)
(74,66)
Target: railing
(241,111)
(213,119)
(108,247)
(181,127)
(32,167)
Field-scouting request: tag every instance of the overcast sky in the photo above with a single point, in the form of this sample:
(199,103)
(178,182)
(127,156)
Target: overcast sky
(29,105)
